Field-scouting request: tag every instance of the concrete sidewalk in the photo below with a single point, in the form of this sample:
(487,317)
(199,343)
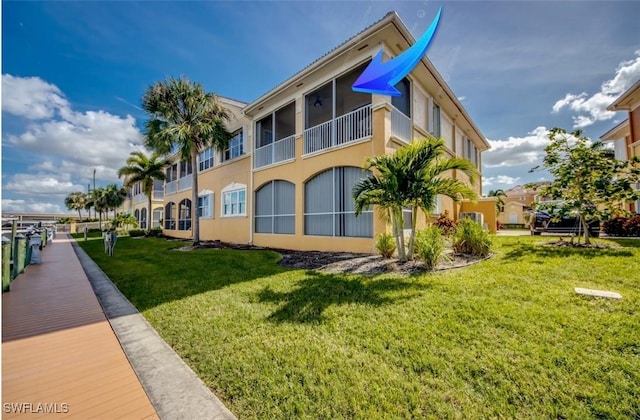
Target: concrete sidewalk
(173,388)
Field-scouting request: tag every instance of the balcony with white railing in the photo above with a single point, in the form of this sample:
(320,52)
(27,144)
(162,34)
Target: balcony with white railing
(401,125)
(279,151)
(173,187)
(140,198)
(158,195)
(345,129)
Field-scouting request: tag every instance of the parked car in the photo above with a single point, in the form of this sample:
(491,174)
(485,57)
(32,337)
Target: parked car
(542,221)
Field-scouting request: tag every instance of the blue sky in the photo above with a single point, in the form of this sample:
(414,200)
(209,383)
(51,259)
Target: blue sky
(73,73)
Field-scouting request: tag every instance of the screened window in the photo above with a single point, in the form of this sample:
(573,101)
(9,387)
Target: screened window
(235,148)
(329,208)
(403,102)
(205,159)
(185,168)
(205,205)
(407,215)
(275,208)
(136,214)
(184,215)
(436,120)
(234,203)
(170,217)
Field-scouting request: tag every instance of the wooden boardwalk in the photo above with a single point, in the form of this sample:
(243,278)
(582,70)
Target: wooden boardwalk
(59,353)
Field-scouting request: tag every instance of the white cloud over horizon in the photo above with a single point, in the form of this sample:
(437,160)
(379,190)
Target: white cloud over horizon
(67,144)
(591,109)
(26,206)
(516,151)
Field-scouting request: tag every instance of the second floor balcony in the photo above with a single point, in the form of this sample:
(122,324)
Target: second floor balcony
(181,184)
(351,127)
(279,151)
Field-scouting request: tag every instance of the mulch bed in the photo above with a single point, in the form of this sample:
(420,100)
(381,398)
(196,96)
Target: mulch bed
(345,262)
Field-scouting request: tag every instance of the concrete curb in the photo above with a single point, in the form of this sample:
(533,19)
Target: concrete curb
(173,388)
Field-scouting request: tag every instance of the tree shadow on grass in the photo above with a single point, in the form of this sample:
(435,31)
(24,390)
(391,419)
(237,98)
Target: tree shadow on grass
(519,250)
(315,293)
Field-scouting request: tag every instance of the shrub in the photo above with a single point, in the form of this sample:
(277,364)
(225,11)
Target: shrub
(446,225)
(155,232)
(623,226)
(430,246)
(385,244)
(469,238)
(136,233)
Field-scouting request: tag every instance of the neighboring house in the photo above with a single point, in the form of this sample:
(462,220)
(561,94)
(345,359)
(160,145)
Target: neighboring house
(626,134)
(519,202)
(136,204)
(286,180)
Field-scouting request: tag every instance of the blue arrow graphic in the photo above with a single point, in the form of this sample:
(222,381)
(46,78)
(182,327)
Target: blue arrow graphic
(381,77)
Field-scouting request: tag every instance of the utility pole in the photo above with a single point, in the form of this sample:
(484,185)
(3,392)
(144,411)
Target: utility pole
(95,212)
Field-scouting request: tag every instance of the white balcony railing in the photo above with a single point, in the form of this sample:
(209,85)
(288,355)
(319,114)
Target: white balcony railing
(173,187)
(158,195)
(281,150)
(401,125)
(140,198)
(170,187)
(185,183)
(347,128)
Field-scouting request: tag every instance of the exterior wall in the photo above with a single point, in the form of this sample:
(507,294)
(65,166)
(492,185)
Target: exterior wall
(634,124)
(425,89)
(226,228)
(486,206)
(510,209)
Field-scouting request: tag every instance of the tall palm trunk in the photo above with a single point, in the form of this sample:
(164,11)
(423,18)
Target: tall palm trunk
(398,227)
(195,220)
(412,238)
(149,215)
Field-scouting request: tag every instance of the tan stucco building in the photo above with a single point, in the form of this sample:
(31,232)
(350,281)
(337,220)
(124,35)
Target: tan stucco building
(626,134)
(286,179)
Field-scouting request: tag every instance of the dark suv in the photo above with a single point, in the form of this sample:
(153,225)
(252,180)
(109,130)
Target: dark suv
(541,221)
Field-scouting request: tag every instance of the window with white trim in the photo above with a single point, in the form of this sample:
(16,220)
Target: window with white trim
(235,148)
(435,115)
(205,206)
(205,159)
(234,202)
(143,218)
(329,208)
(438,209)
(275,208)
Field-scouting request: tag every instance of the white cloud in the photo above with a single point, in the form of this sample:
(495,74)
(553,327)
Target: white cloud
(62,145)
(38,184)
(23,206)
(31,97)
(517,150)
(593,108)
(500,179)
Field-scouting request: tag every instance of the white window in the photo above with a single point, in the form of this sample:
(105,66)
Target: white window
(234,202)
(438,209)
(205,159)
(235,148)
(436,120)
(205,205)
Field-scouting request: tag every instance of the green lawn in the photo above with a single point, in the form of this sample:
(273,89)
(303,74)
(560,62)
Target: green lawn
(507,337)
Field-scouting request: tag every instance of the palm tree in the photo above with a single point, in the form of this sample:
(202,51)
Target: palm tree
(186,118)
(114,197)
(97,199)
(75,201)
(413,177)
(499,193)
(144,169)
